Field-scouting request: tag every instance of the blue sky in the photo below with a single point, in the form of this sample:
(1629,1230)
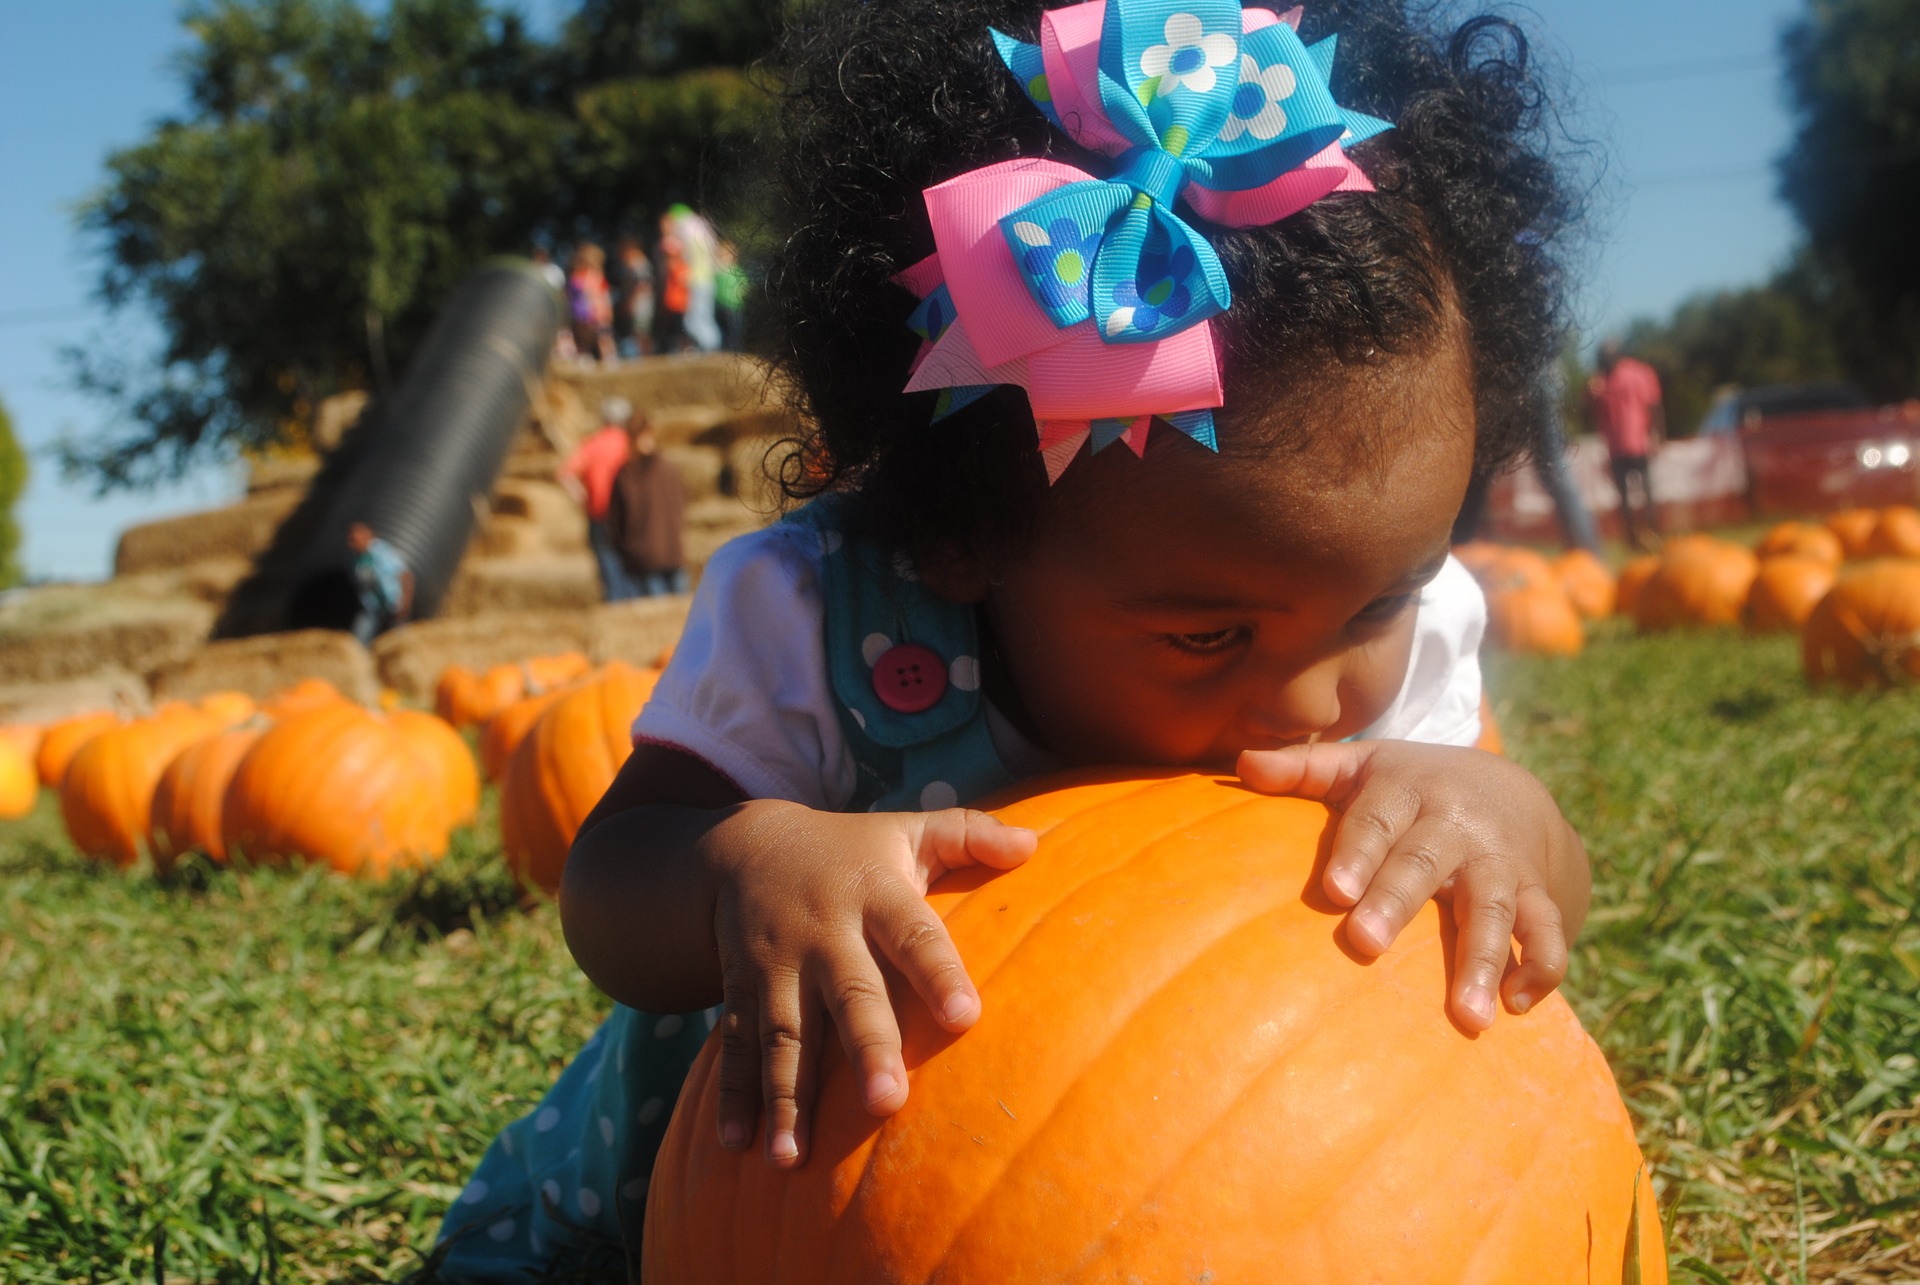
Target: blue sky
(1685,97)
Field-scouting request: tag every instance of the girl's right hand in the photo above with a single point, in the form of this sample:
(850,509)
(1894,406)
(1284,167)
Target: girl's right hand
(804,910)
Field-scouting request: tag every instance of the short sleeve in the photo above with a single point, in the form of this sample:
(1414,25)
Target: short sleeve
(1439,701)
(747,688)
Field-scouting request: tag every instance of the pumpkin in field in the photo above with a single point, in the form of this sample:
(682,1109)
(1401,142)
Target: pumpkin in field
(1700,582)
(1588,583)
(454,778)
(24,737)
(231,708)
(1632,579)
(187,801)
(1477,555)
(1534,620)
(1785,591)
(1896,534)
(451,693)
(338,785)
(106,796)
(508,728)
(544,673)
(1854,528)
(1490,739)
(1179,1074)
(19,782)
(562,768)
(62,740)
(1515,569)
(300,698)
(1801,540)
(1866,631)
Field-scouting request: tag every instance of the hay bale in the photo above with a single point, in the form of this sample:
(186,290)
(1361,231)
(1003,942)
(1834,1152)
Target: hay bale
(262,665)
(241,530)
(637,631)
(111,688)
(555,582)
(410,659)
(75,631)
(753,473)
(702,468)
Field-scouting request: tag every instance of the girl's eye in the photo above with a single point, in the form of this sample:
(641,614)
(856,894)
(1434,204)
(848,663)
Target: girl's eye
(1215,640)
(1381,610)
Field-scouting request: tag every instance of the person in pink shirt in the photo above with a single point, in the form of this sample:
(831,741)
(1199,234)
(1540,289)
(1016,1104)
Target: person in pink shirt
(1624,399)
(588,477)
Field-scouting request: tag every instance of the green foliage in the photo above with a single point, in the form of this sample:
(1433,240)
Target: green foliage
(340,170)
(13,481)
(1852,175)
(286,1068)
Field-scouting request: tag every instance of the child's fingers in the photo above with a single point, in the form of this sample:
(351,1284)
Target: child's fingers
(1324,773)
(739,1059)
(1484,906)
(907,931)
(1542,932)
(955,837)
(1416,865)
(856,999)
(782,1038)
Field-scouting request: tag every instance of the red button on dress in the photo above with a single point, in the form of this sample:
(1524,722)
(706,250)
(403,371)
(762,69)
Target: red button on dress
(909,678)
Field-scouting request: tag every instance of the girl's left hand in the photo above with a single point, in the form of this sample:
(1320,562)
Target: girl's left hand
(1419,821)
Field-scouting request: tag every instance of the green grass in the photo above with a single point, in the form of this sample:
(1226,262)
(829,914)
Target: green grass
(271,1075)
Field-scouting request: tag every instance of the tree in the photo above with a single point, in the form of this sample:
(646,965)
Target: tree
(1852,175)
(13,481)
(339,170)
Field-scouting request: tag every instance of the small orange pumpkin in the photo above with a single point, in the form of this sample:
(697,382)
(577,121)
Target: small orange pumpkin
(563,766)
(24,737)
(1801,540)
(106,796)
(1854,528)
(1490,739)
(1896,534)
(19,783)
(1588,583)
(188,799)
(1785,591)
(509,728)
(1866,631)
(63,740)
(1533,620)
(452,693)
(544,673)
(1334,1124)
(1517,568)
(230,708)
(1632,579)
(1700,581)
(306,695)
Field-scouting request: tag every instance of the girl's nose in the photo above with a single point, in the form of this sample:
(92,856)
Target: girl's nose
(1294,703)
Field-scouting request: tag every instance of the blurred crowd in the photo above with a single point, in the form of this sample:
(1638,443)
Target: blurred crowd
(686,295)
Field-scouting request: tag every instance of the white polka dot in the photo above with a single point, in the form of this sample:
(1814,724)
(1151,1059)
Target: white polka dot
(533,1238)
(874,647)
(859,719)
(475,1193)
(506,1142)
(830,541)
(904,568)
(606,1130)
(635,1191)
(551,1190)
(594,1074)
(668,1027)
(589,1201)
(502,1230)
(964,673)
(937,795)
(548,1117)
(650,1110)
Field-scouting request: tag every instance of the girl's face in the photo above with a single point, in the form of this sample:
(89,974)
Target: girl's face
(1179,609)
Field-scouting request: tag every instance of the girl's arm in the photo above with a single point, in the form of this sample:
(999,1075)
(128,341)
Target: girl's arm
(679,893)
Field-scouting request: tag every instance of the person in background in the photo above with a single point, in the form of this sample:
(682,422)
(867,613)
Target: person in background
(549,270)
(645,516)
(699,249)
(1550,466)
(1624,399)
(669,318)
(631,280)
(730,297)
(590,303)
(381,578)
(588,477)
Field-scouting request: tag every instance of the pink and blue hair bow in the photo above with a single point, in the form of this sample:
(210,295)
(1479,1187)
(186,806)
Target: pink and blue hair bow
(1094,293)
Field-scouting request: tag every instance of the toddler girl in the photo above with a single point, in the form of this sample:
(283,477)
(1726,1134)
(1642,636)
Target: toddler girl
(1146,376)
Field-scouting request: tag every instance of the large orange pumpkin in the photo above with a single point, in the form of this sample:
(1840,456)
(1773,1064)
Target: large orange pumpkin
(1785,591)
(544,673)
(301,697)
(336,785)
(1588,583)
(231,708)
(1179,1074)
(1700,581)
(19,783)
(187,801)
(1632,579)
(1534,620)
(106,796)
(62,740)
(1896,534)
(1854,528)
(1866,631)
(444,753)
(508,728)
(1802,540)
(562,768)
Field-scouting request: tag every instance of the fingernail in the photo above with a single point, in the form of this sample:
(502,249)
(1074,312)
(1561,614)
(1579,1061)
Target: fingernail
(783,1146)
(958,1009)
(733,1135)
(1373,926)
(880,1086)
(1348,882)
(1521,1001)
(1479,1002)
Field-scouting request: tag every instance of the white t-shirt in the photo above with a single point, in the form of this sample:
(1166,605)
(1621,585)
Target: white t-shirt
(748,690)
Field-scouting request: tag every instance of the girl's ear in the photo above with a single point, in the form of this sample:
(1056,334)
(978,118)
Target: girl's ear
(954,572)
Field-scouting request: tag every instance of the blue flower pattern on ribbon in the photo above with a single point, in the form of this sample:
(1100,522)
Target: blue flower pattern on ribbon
(1199,101)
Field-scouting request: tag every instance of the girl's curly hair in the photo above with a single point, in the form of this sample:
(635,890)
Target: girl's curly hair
(1473,217)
